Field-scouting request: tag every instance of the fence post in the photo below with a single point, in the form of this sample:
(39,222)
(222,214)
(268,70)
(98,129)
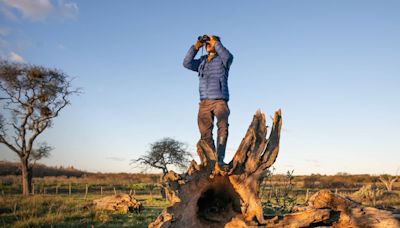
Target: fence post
(307,194)
(57,190)
(336,191)
(86,191)
(101,190)
(130,192)
(115,192)
(69,189)
(374,188)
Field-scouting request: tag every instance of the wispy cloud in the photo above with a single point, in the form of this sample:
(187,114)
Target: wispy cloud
(14,57)
(314,162)
(33,9)
(118,159)
(68,9)
(6,12)
(37,10)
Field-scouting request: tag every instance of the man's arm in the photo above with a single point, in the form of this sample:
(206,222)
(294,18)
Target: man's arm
(189,62)
(225,55)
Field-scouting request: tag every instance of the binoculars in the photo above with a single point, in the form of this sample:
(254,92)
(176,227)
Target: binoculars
(206,38)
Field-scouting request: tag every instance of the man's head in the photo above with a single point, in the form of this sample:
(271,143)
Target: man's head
(209,49)
(207,40)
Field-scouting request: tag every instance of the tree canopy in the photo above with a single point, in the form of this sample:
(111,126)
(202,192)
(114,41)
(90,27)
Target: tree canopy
(165,153)
(30,98)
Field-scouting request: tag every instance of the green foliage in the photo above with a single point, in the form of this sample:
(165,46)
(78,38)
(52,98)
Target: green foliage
(369,193)
(145,186)
(280,199)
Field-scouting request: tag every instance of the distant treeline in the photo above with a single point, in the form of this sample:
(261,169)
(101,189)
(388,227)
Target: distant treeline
(9,172)
(318,181)
(40,170)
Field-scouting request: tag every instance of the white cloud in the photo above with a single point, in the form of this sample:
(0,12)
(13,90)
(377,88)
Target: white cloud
(14,57)
(67,9)
(37,10)
(33,9)
(7,12)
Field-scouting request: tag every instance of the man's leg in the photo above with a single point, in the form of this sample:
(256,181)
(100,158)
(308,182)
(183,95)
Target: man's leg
(222,112)
(205,120)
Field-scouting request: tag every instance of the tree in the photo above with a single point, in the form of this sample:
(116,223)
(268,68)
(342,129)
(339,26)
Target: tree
(388,181)
(165,153)
(30,98)
(206,196)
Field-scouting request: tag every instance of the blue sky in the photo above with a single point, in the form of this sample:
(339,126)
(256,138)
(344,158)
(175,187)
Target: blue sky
(331,66)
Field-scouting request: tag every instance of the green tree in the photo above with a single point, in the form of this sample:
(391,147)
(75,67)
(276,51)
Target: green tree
(30,98)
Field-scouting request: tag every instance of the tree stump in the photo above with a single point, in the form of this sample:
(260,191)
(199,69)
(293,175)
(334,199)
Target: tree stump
(206,196)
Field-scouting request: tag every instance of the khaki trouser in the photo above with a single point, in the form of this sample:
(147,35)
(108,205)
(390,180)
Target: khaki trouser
(207,110)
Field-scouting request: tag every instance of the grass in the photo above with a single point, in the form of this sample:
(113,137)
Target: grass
(65,210)
(70,211)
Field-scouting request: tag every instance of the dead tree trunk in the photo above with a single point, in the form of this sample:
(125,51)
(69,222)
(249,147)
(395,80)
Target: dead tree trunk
(206,196)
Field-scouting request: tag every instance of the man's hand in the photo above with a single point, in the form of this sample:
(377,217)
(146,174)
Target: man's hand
(212,40)
(198,45)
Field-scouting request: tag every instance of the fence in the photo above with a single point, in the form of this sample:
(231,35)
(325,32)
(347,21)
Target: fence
(79,189)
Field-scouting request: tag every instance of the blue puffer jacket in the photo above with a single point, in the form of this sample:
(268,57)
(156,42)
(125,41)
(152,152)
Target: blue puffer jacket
(213,75)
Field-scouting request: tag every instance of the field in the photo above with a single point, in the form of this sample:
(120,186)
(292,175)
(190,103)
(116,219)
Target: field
(71,211)
(65,201)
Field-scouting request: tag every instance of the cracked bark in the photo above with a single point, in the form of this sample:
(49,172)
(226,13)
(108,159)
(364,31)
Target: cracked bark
(206,196)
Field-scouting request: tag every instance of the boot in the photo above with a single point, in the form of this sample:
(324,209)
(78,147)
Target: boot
(221,146)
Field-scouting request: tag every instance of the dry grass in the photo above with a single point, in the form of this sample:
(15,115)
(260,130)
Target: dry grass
(70,211)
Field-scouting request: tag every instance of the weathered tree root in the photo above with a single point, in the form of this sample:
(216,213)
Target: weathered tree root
(351,213)
(206,196)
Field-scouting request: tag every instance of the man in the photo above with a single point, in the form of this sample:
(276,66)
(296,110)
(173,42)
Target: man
(213,72)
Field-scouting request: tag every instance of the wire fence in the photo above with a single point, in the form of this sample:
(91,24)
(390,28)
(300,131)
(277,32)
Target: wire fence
(71,189)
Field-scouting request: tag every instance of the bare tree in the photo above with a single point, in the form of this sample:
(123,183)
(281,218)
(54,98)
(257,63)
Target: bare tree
(164,153)
(30,98)
(388,180)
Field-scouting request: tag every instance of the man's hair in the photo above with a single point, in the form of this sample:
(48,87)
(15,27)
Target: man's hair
(217,38)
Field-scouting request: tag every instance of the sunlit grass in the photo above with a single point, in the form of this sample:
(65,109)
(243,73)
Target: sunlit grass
(71,211)
(65,210)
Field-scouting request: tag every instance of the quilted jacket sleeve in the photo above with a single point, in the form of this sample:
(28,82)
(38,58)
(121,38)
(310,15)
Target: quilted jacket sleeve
(225,55)
(189,62)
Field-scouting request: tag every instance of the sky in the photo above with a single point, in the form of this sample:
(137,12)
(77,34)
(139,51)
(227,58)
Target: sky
(332,67)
